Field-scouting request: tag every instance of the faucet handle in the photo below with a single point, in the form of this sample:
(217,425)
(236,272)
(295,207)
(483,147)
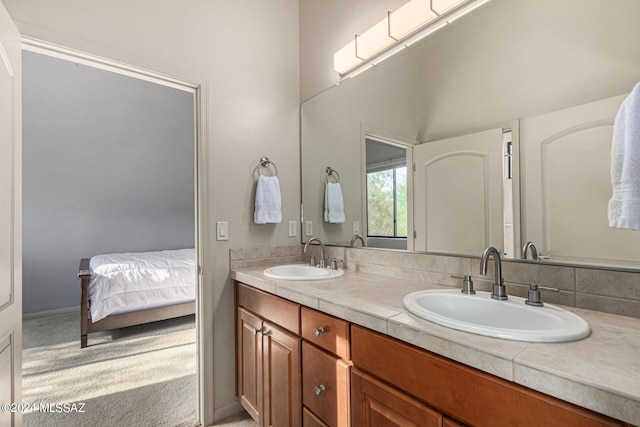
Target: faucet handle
(467,284)
(312,261)
(334,263)
(534,294)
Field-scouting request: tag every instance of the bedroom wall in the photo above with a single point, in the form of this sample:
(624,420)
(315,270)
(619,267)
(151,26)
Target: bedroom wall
(245,54)
(108,166)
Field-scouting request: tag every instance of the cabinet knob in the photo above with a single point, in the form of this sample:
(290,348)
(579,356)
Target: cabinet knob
(318,390)
(318,331)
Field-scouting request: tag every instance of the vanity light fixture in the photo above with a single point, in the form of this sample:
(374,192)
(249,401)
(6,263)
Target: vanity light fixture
(410,23)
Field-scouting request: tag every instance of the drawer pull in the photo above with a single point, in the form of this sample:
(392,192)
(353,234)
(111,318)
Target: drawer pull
(318,390)
(257,331)
(318,331)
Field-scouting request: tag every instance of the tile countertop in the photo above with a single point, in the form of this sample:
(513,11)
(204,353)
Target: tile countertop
(600,372)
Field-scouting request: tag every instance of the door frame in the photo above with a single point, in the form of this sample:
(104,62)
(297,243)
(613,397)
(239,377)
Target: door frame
(385,137)
(199,90)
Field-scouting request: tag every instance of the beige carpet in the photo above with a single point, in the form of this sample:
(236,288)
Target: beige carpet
(138,376)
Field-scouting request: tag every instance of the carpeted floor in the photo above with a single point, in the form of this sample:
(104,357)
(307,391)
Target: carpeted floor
(241,419)
(138,376)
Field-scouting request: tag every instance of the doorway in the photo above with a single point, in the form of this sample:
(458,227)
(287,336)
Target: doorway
(90,188)
(387,193)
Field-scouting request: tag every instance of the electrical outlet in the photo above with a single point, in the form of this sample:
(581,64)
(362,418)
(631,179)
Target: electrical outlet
(356,227)
(293,228)
(308,228)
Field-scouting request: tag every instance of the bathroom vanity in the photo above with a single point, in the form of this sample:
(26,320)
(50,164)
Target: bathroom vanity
(343,352)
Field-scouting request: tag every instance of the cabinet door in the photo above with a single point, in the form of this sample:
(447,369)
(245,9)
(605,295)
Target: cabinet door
(282,378)
(376,404)
(448,422)
(310,420)
(249,356)
(325,383)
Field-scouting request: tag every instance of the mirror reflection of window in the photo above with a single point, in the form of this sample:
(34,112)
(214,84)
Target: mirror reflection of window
(386,194)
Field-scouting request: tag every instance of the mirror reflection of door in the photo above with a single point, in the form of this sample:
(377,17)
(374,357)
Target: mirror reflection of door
(459,191)
(568,186)
(387,222)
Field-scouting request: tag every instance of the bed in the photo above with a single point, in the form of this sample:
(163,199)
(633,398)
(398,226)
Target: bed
(127,289)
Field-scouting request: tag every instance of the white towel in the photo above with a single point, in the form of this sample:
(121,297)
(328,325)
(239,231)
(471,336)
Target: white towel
(268,203)
(333,203)
(624,206)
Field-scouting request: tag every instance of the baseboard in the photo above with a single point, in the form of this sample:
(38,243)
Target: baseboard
(49,312)
(226,411)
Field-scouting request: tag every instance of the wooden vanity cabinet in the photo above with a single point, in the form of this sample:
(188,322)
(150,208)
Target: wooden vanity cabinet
(309,419)
(461,392)
(377,404)
(326,332)
(297,366)
(268,358)
(448,422)
(325,369)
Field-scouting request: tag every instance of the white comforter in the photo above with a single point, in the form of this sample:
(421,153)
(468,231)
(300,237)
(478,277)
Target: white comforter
(133,281)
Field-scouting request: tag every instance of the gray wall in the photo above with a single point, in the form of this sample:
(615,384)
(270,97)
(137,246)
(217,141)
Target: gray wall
(108,167)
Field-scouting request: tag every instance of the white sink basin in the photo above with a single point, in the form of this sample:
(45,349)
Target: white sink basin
(511,319)
(301,272)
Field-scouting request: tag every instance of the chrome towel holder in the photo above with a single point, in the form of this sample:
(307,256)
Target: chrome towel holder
(333,173)
(265,163)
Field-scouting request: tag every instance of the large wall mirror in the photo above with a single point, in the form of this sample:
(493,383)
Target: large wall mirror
(507,115)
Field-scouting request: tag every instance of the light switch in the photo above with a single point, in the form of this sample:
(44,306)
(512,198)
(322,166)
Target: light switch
(293,228)
(308,228)
(222,230)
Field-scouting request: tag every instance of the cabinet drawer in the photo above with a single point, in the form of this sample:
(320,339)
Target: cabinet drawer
(327,332)
(282,312)
(377,404)
(444,384)
(310,420)
(325,385)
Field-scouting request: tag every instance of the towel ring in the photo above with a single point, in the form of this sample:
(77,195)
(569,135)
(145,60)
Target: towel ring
(331,172)
(265,163)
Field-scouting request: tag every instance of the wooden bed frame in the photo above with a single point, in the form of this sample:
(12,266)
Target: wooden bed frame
(116,321)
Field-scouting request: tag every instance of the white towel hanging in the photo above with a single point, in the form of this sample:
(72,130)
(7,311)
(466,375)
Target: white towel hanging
(268,201)
(333,203)
(624,206)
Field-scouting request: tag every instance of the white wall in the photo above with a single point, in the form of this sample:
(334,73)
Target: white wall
(245,54)
(107,167)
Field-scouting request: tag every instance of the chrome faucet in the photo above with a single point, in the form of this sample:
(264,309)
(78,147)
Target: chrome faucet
(357,237)
(306,248)
(534,251)
(499,290)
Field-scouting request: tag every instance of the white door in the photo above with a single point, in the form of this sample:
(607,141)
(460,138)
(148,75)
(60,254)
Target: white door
(458,186)
(10,214)
(567,186)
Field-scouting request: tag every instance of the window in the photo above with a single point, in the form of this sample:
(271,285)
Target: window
(387,202)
